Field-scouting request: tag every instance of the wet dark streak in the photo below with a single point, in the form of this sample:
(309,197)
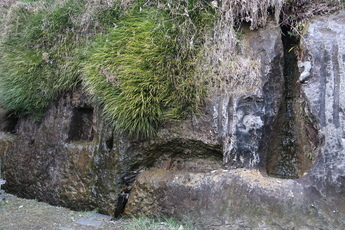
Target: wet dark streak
(336,107)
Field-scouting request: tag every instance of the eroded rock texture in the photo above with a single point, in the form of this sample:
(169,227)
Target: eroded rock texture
(324,91)
(244,199)
(246,100)
(74,159)
(191,169)
(51,160)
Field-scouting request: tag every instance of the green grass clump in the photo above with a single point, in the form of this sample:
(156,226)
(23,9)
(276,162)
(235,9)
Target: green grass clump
(39,51)
(143,71)
(37,56)
(121,71)
(138,59)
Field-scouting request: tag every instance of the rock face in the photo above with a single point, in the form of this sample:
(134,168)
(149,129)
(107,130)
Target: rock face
(71,158)
(245,199)
(325,49)
(52,159)
(255,109)
(233,199)
(213,168)
(295,136)
(246,100)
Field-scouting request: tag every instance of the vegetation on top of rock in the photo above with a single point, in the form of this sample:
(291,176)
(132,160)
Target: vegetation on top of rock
(296,13)
(139,64)
(141,60)
(36,53)
(143,71)
(39,52)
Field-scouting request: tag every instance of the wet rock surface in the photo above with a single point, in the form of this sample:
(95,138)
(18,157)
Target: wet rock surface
(245,103)
(293,139)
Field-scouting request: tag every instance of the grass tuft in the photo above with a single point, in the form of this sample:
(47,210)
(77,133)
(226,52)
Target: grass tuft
(143,71)
(138,58)
(39,52)
(38,57)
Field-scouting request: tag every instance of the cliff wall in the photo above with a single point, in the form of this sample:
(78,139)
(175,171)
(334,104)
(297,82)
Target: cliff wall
(265,152)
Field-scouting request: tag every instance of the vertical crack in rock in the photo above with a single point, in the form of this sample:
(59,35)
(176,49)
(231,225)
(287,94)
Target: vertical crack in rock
(290,153)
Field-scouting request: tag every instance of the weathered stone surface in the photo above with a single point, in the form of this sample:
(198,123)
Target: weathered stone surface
(246,101)
(40,162)
(72,158)
(245,199)
(290,146)
(324,47)
(233,199)
(67,159)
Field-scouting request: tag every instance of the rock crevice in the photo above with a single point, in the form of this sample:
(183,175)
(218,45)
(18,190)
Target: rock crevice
(212,167)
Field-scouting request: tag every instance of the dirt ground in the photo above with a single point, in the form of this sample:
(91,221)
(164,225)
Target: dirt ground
(23,214)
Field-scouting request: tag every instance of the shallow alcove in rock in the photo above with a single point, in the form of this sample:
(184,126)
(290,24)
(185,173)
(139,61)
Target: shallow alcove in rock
(173,155)
(81,125)
(186,155)
(294,139)
(8,122)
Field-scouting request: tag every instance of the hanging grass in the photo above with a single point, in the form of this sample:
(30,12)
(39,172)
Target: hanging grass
(37,56)
(143,71)
(121,72)
(39,50)
(140,67)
